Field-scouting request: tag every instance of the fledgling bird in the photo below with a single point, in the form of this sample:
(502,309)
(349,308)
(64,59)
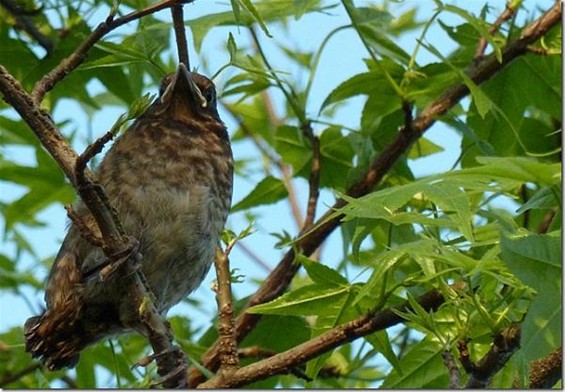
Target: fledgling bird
(170,179)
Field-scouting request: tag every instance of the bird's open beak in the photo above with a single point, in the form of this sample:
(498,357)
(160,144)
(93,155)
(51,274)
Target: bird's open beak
(183,88)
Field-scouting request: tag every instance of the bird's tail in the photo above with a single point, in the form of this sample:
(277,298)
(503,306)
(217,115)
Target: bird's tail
(54,339)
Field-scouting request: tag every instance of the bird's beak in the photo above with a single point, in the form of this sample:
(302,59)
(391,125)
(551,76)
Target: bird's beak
(183,89)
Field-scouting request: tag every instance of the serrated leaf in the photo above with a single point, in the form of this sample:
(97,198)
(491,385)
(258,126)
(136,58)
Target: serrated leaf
(544,198)
(537,261)
(311,300)
(423,148)
(422,367)
(248,5)
(482,102)
(268,191)
(381,342)
(322,274)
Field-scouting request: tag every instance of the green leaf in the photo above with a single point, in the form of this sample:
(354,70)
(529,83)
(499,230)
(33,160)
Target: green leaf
(268,191)
(322,274)
(385,205)
(424,147)
(478,25)
(422,367)
(381,342)
(373,83)
(482,102)
(536,260)
(267,11)
(544,198)
(248,5)
(311,300)
(505,130)
(374,24)
(294,150)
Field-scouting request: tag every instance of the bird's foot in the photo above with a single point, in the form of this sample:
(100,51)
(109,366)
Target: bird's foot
(171,366)
(130,252)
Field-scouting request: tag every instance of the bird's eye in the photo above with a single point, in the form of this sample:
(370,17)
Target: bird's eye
(210,95)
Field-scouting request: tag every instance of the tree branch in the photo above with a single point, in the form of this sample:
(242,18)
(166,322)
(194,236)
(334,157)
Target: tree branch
(76,58)
(545,372)
(279,279)
(180,34)
(506,14)
(25,23)
(229,359)
(451,366)
(287,360)
(314,180)
(505,344)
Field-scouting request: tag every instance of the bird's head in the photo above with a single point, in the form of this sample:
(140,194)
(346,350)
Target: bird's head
(188,94)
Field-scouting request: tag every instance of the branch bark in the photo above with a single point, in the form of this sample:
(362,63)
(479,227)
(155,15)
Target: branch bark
(505,344)
(229,358)
(545,372)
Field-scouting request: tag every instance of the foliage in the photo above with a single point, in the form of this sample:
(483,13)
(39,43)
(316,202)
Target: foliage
(492,222)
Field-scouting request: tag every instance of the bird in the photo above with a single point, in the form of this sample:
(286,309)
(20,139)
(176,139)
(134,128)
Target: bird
(169,178)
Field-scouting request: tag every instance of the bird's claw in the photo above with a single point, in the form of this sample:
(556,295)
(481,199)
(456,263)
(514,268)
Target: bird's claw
(169,378)
(116,261)
(174,379)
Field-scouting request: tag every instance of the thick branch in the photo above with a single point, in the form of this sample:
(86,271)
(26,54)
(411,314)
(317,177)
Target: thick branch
(505,344)
(40,123)
(279,279)
(545,372)
(285,361)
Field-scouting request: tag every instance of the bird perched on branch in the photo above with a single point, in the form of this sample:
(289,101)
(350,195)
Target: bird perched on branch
(170,179)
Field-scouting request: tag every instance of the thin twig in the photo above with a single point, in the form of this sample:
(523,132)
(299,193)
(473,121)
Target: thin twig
(506,15)
(279,279)
(9,378)
(180,34)
(25,22)
(538,51)
(76,58)
(314,180)
(451,366)
(86,231)
(543,226)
